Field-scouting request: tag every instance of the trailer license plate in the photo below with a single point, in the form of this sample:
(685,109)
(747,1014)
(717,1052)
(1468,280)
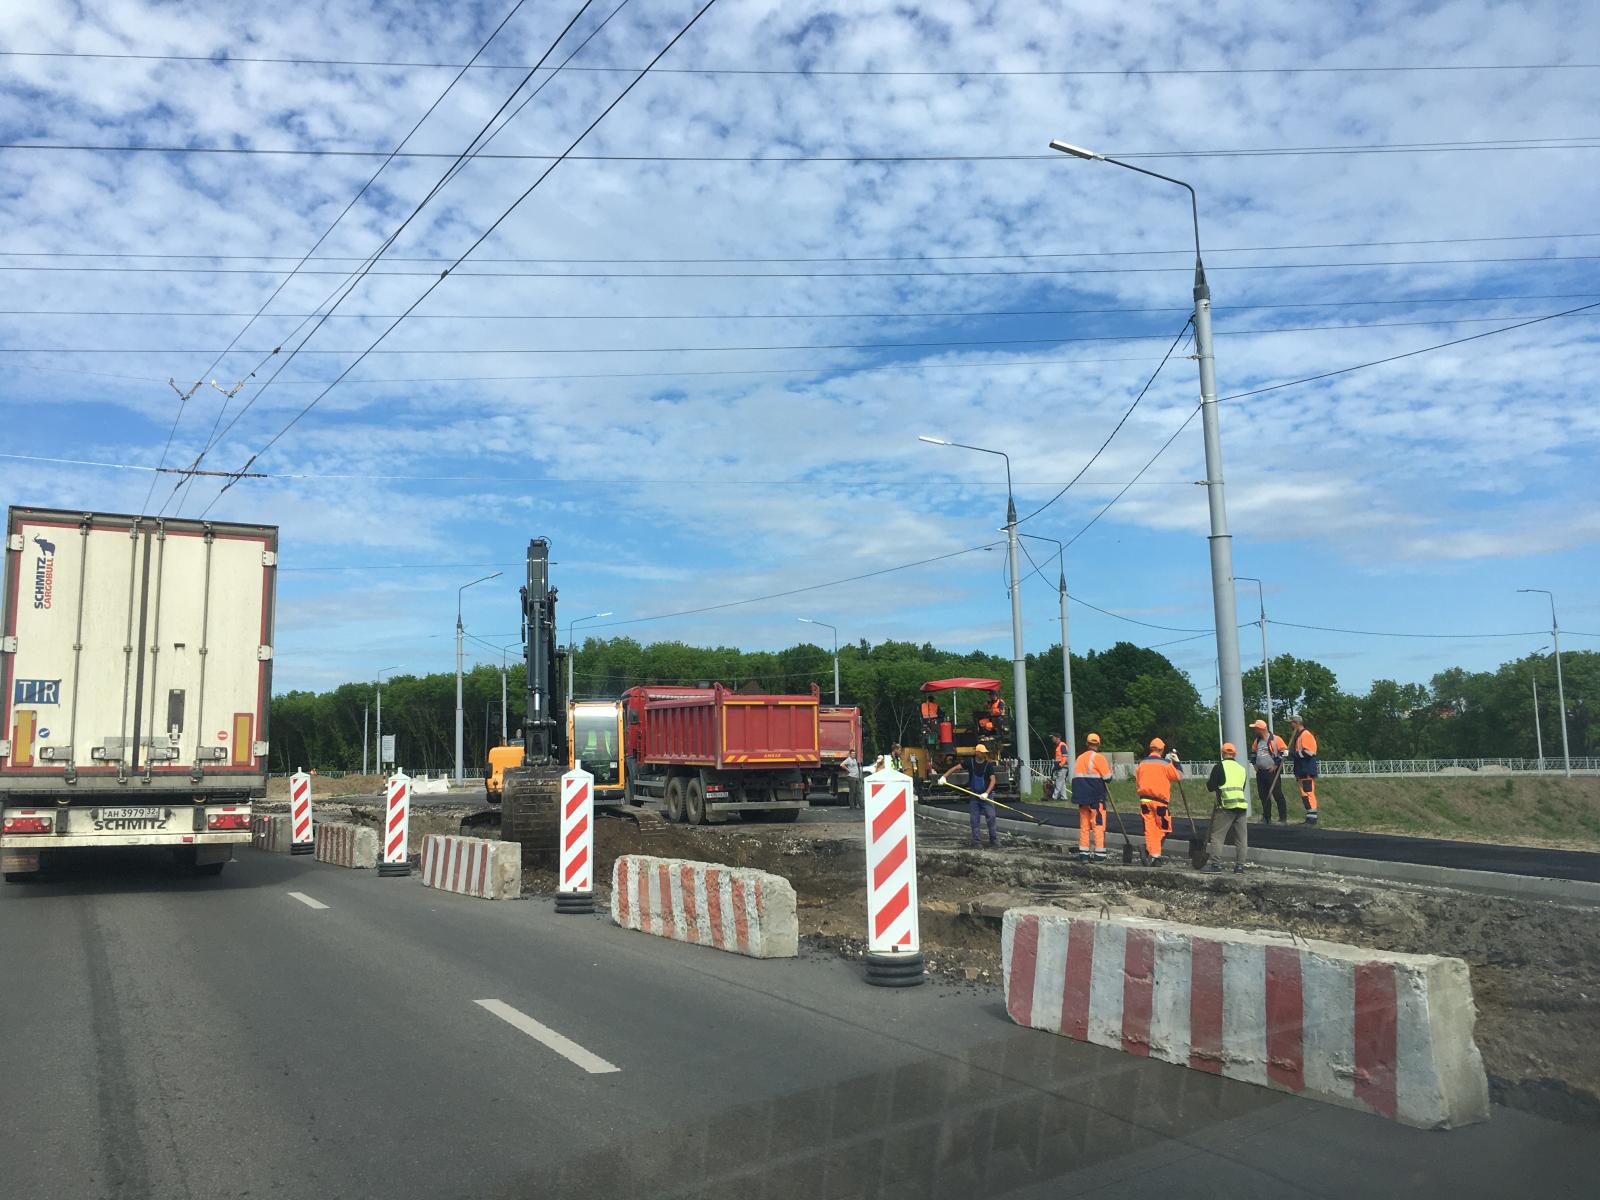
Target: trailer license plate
(121,820)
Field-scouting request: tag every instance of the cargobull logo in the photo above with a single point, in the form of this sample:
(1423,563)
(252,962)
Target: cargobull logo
(44,573)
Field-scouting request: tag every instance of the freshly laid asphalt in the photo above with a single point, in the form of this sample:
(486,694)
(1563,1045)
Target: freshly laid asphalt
(294,1029)
(1319,839)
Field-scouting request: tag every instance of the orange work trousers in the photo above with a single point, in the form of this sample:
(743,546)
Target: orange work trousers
(1308,792)
(1157,816)
(1092,826)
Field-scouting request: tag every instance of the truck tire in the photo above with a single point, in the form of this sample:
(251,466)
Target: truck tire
(675,798)
(694,802)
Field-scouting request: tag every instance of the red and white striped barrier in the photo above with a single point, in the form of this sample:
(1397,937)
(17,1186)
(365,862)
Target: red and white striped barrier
(397,827)
(480,867)
(346,845)
(300,841)
(728,908)
(574,877)
(1388,1033)
(894,957)
(270,833)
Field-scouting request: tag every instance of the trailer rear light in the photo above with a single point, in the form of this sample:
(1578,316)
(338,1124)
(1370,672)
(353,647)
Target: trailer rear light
(228,821)
(28,825)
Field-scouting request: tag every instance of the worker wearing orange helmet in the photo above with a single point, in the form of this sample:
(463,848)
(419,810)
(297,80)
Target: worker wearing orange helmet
(1303,757)
(1090,793)
(1267,751)
(1153,779)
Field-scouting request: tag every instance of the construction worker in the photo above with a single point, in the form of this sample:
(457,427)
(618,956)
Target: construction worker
(1267,752)
(1090,776)
(1153,779)
(930,723)
(890,761)
(980,781)
(1228,781)
(852,773)
(1063,769)
(1303,757)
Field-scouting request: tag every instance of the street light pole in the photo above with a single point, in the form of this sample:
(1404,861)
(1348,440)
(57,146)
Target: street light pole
(825,625)
(460,723)
(1231,700)
(1019,661)
(572,647)
(1266,661)
(1066,657)
(1538,733)
(378,689)
(1561,691)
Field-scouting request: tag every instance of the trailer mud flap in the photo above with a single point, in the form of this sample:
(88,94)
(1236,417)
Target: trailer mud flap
(22,737)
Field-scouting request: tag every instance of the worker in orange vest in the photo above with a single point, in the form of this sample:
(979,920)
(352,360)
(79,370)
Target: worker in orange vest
(1303,757)
(1153,779)
(1091,794)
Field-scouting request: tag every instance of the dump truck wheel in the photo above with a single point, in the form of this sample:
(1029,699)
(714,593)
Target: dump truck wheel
(675,799)
(694,803)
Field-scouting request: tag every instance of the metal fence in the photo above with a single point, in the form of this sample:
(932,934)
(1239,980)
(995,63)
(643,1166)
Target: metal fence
(1398,766)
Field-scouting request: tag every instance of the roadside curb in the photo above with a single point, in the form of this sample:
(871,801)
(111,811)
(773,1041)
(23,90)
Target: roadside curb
(1488,883)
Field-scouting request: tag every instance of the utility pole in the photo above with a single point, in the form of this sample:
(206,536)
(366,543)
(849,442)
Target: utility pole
(1266,661)
(835,631)
(1066,657)
(378,690)
(366,716)
(1561,691)
(1538,733)
(1230,701)
(1019,661)
(460,718)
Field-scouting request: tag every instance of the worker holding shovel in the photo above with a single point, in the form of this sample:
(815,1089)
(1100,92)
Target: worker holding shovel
(1267,752)
(980,793)
(1227,780)
(1153,779)
(1090,794)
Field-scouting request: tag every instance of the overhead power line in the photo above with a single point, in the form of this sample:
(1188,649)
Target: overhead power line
(225,58)
(963,274)
(898,315)
(1495,146)
(1398,634)
(484,236)
(792,258)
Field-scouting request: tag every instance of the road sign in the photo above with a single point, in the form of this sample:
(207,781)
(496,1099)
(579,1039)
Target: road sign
(894,957)
(574,886)
(393,838)
(386,751)
(301,840)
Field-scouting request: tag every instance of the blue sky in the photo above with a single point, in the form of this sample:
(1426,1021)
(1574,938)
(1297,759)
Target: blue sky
(598,373)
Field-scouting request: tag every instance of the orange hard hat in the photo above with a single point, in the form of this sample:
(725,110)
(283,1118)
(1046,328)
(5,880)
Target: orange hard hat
(1261,725)
(1157,744)
(1229,750)
(1093,739)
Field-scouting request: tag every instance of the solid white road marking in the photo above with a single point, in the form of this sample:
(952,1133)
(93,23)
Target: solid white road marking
(307,900)
(545,1036)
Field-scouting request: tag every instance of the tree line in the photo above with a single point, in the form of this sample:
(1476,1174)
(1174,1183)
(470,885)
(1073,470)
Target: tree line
(1128,694)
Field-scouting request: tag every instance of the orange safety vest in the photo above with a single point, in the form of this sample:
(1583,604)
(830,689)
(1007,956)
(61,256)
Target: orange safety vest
(1092,762)
(1153,778)
(1061,754)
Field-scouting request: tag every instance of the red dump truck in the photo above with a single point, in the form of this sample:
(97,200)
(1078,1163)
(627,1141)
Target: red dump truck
(840,730)
(707,752)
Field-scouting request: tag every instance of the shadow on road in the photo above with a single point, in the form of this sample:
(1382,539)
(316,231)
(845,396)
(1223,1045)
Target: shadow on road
(102,872)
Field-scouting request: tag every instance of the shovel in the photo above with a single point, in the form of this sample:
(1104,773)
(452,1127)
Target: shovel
(956,787)
(1198,851)
(1127,842)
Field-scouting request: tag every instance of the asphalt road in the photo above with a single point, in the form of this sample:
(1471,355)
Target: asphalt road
(1318,839)
(298,1030)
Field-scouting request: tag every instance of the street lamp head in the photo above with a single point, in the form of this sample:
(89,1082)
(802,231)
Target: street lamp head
(1076,151)
(932,441)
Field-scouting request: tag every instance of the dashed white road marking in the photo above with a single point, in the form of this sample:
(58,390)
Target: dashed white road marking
(307,900)
(545,1036)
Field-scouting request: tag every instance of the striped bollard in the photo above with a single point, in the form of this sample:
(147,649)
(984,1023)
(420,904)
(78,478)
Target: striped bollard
(301,840)
(574,884)
(894,952)
(396,827)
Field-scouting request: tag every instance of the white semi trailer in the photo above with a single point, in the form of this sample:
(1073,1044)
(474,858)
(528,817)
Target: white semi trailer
(136,663)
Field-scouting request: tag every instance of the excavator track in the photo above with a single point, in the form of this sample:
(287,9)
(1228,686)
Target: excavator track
(530,812)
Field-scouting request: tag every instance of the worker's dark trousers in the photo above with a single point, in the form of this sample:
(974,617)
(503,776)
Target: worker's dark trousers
(981,808)
(1263,779)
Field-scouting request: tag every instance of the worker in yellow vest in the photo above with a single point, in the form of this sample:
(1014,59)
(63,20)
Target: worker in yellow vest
(1232,813)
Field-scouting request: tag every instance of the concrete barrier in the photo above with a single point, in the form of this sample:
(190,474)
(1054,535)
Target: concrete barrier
(346,845)
(480,867)
(423,786)
(728,908)
(270,833)
(1387,1033)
